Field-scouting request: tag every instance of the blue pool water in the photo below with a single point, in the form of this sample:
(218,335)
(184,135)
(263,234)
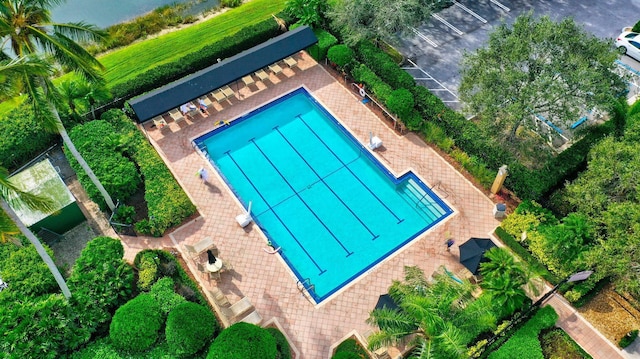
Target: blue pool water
(317,192)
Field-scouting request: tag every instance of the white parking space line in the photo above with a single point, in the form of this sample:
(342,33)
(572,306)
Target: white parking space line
(428,77)
(501,6)
(470,12)
(437,17)
(423,37)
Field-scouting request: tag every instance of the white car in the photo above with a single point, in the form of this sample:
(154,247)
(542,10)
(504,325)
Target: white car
(628,43)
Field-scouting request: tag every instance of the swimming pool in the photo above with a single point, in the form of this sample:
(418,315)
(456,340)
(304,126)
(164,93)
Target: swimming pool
(317,193)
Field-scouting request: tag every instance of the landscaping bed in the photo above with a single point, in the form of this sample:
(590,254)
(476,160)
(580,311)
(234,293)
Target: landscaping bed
(557,344)
(611,314)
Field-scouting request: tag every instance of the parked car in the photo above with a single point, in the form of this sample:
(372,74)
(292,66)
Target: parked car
(628,43)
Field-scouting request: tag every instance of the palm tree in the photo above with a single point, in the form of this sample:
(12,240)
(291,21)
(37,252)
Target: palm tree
(438,318)
(26,29)
(505,280)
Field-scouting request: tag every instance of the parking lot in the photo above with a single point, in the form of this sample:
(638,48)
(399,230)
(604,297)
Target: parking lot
(435,48)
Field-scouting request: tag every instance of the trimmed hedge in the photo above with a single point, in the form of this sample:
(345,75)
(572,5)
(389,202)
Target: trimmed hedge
(242,341)
(190,327)
(401,103)
(160,75)
(524,344)
(135,325)
(282,345)
(27,274)
(163,292)
(628,339)
(325,41)
(340,55)
(384,66)
(168,205)
(100,145)
(350,348)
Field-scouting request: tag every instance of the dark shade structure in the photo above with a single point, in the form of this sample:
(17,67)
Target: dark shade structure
(173,95)
(386,302)
(472,253)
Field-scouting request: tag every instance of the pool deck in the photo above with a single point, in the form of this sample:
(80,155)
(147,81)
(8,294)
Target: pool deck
(263,277)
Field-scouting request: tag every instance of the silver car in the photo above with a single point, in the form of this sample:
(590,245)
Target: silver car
(628,43)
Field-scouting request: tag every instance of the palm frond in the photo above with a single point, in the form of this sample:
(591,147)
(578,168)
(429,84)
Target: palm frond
(18,198)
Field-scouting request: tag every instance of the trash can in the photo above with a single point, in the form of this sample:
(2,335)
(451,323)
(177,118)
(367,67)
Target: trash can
(500,211)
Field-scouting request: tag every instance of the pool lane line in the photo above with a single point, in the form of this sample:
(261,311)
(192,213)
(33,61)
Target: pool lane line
(307,187)
(300,197)
(228,153)
(326,184)
(350,171)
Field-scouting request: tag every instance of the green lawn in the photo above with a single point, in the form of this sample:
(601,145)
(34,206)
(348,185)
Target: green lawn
(125,64)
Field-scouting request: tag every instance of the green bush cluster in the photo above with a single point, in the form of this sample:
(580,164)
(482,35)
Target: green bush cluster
(231,3)
(147,271)
(190,327)
(22,137)
(282,345)
(401,103)
(27,274)
(628,339)
(524,254)
(241,341)
(164,293)
(524,343)
(169,267)
(101,281)
(167,203)
(340,55)
(207,56)
(101,146)
(636,27)
(384,66)
(135,326)
(350,349)
(325,41)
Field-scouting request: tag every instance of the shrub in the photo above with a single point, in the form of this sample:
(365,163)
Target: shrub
(524,343)
(147,271)
(190,327)
(22,137)
(124,215)
(556,343)
(100,146)
(636,27)
(384,66)
(362,74)
(628,339)
(341,55)
(325,41)
(231,3)
(241,341)
(27,274)
(353,348)
(100,281)
(167,203)
(163,292)
(282,345)
(135,325)
(524,254)
(517,223)
(401,103)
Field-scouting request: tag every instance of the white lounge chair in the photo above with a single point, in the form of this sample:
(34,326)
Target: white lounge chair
(262,75)
(291,62)
(239,308)
(200,247)
(275,68)
(253,318)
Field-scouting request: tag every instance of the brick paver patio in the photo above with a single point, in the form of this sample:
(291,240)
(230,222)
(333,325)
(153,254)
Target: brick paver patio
(264,278)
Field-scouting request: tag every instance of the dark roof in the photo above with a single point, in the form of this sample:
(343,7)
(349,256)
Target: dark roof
(173,95)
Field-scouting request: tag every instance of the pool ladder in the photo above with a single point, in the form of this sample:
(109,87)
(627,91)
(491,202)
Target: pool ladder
(305,287)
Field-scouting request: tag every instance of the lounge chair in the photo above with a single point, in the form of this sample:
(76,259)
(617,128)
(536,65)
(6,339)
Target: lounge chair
(248,80)
(275,68)
(219,95)
(262,75)
(227,91)
(291,62)
(176,115)
(159,122)
(200,247)
(239,308)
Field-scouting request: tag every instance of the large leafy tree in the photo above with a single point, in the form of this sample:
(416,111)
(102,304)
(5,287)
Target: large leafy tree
(439,317)
(27,29)
(378,19)
(538,67)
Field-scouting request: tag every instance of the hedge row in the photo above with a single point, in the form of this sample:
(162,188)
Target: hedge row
(524,344)
(22,138)
(136,324)
(168,205)
(161,75)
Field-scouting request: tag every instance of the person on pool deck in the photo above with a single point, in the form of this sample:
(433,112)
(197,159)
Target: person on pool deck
(203,107)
